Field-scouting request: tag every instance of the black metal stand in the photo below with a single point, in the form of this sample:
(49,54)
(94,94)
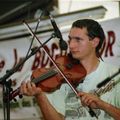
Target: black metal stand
(7,83)
(6,103)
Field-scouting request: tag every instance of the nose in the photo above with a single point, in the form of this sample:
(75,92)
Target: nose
(72,44)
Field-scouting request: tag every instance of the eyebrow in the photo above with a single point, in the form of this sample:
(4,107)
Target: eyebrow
(77,38)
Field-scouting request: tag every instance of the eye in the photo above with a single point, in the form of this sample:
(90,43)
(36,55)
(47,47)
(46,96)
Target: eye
(75,39)
(78,39)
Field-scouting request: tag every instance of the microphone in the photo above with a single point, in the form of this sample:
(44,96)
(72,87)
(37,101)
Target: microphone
(105,81)
(62,43)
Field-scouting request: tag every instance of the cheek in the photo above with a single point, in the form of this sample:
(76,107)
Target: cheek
(85,48)
(74,45)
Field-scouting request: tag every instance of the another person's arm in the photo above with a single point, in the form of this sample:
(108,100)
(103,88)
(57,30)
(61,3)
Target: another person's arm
(48,111)
(95,102)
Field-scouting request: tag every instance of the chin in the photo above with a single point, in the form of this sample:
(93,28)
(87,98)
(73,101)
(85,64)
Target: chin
(75,56)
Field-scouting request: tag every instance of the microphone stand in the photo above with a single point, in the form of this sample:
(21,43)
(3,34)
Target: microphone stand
(6,104)
(7,83)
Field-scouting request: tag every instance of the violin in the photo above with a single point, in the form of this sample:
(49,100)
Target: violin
(50,80)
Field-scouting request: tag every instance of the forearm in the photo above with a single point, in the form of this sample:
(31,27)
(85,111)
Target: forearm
(48,111)
(111,110)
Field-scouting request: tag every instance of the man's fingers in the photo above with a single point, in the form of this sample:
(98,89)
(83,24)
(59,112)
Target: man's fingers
(29,89)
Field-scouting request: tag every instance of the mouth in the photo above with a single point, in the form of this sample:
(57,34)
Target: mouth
(74,52)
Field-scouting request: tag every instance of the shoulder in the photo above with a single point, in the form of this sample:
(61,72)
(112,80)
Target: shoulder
(109,67)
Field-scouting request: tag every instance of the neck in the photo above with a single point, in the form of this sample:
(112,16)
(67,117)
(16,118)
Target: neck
(90,64)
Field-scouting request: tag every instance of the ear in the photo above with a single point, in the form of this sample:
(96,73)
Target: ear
(96,41)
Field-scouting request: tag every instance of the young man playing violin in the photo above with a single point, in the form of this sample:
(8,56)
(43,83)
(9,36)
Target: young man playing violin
(85,41)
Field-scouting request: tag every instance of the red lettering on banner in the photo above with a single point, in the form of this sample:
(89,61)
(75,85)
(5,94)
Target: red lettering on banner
(15,56)
(16,59)
(36,61)
(54,47)
(2,64)
(41,59)
(20,60)
(110,43)
(43,62)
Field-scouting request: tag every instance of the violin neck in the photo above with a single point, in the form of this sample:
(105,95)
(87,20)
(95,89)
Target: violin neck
(16,92)
(44,76)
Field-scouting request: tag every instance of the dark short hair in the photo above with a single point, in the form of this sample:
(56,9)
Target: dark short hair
(94,29)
